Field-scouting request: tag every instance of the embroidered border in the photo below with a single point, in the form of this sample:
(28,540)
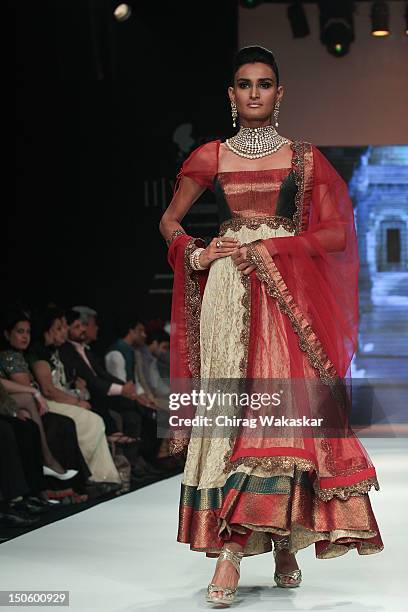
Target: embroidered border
(192,312)
(286,462)
(302,164)
(330,463)
(192,305)
(238,221)
(178,445)
(177,232)
(246,320)
(268,463)
(277,289)
(359,488)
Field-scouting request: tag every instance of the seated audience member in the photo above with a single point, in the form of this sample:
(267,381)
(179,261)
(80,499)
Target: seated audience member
(107,391)
(163,359)
(22,484)
(17,338)
(157,343)
(89,319)
(148,350)
(49,372)
(13,483)
(122,359)
(61,434)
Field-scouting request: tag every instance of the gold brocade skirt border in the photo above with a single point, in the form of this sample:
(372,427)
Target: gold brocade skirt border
(281,504)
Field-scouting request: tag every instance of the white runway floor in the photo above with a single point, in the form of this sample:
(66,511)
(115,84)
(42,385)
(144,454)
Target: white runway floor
(122,556)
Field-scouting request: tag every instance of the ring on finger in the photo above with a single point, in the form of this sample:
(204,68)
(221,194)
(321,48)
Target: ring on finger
(218,244)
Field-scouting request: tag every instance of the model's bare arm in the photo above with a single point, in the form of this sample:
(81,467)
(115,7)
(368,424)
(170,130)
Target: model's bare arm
(188,192)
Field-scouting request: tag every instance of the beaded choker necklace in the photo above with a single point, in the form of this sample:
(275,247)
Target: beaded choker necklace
(256,142)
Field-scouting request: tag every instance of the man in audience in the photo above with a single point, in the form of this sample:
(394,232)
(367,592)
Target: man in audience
(120,359)
(163,359)
(89,319)
(107,391)
(148,350)
(125,361)
(153,352)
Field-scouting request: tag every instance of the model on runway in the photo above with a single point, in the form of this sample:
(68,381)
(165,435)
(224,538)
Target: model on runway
(273,298)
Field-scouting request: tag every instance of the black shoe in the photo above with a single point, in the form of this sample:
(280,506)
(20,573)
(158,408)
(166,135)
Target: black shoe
(28,507)
(107,488)
(43,503)
(98,489)
(13,519)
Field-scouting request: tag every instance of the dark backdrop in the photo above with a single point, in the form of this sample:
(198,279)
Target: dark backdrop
(97,104)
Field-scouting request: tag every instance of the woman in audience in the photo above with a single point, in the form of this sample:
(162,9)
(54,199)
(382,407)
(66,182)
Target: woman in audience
(48,371)
(22,484)
(30,399)
(62,437)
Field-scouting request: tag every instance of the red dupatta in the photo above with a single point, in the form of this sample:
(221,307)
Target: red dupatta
(312,279)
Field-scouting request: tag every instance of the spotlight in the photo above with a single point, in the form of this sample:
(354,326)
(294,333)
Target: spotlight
(122,12)
(380,19)
(336,25)
(298,20)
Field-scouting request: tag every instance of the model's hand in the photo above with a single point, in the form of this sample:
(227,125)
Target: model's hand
(227,246)
(239,259)
(23,414)
(84,404)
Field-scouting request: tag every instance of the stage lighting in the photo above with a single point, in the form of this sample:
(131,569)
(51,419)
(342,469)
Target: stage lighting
(380,19)
(298,20)
(122,12)
(336,25)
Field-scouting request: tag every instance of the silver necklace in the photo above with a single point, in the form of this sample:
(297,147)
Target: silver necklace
(256,142)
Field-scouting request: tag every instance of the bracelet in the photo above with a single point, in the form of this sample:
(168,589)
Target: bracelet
(194,259)
(37,395)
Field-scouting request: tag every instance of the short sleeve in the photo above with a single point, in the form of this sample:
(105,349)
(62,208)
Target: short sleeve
(201,165)
(12,362)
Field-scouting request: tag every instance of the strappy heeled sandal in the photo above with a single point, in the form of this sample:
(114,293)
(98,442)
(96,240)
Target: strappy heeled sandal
(228,594)
(283,544)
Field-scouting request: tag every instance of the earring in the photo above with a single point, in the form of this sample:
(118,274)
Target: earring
(276,113)
(234,113)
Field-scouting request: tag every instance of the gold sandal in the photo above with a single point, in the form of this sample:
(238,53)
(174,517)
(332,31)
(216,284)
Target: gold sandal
(229,594)
(283,544)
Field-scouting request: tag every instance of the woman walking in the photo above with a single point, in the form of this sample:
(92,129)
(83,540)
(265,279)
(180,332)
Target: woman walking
(272,299)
